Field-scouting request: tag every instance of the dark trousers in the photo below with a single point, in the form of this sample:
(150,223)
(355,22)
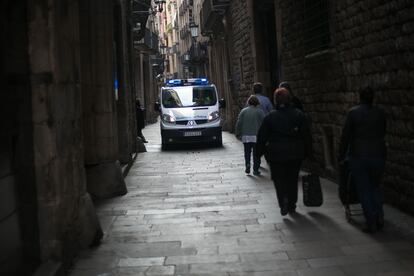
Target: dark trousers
(248,149)
(285,176)
(367,172)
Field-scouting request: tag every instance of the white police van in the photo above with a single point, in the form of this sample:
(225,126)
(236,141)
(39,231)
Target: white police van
(189,110)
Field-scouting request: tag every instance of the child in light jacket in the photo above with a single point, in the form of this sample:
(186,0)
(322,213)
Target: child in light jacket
(247,126)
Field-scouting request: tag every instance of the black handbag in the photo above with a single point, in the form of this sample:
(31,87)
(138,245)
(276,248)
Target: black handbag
(312,190)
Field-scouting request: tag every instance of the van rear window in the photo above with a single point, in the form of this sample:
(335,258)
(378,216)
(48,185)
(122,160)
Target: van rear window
(188,96)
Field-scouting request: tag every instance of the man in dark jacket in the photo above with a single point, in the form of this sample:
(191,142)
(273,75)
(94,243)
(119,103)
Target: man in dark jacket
(363,143)
(140,117)
(285,138)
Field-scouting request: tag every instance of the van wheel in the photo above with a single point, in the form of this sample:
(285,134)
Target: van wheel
(164,147)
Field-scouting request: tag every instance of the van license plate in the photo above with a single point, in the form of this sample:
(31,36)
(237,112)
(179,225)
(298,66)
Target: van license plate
(192,133)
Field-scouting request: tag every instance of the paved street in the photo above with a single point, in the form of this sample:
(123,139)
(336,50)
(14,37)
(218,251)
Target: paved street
(194,212)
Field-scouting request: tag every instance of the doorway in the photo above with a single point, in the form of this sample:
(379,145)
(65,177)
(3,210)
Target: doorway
(267,63)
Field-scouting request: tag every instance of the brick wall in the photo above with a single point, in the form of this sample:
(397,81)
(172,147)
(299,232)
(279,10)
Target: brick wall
(372,43)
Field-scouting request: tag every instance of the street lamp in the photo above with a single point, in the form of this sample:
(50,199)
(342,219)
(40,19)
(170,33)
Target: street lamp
(193,29)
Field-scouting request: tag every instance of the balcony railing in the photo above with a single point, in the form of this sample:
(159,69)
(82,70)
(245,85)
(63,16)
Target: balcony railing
(184,32)
(148,43)
(211,14)
(185,58)
(183,8)
(198,53)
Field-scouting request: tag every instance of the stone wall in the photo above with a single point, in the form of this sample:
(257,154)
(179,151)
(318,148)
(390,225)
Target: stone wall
(371,44)
(126,94)
(231,65)
(18,208)
(67,219)
(59,139)
(99,105)
(241,52)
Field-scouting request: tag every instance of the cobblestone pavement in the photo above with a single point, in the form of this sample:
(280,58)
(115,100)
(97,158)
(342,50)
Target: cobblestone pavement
(194,212)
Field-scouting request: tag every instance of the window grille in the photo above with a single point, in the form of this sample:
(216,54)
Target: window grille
(317,35)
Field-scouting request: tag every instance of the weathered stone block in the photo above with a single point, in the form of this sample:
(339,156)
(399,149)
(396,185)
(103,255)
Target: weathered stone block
(140,145)
(105,180)
(90,228)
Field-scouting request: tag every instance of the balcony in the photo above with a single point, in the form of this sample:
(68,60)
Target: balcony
(148,43)
(184,32)
(183,8)
(211,15)
(157,63)
(198,53)
(140,15)
(185,58)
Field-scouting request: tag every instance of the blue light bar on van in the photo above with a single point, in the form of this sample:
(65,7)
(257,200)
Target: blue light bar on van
(182,82)
(197,81)
(174,82)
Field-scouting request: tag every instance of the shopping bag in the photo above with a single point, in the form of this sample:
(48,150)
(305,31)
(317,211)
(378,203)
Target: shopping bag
(312,191)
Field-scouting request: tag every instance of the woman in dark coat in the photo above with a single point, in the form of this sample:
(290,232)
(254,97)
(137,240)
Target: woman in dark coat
(285,138)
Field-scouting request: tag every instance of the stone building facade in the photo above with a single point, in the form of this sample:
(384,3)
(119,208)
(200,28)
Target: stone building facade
(360,43)
(327,50)
(67,112)
(242,50)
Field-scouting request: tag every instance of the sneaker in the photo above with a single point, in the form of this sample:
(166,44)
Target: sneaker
(247,170)
(256,173)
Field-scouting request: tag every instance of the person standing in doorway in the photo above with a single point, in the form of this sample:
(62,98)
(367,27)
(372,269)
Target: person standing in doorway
(264,103)
(140,117)
(286,139)
(248,123)
(363,143)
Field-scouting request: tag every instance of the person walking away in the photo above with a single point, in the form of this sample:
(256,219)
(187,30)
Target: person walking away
(248,123)
(295,102)
(363,143)
(265,104)
(140,120)
(286,138)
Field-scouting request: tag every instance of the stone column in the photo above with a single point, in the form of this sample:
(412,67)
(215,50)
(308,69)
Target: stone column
(18,213)
(151,88)
(124,104)
(67,219)
(100,126)
(142,78)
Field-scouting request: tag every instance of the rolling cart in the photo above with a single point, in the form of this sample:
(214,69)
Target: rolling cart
(348,193)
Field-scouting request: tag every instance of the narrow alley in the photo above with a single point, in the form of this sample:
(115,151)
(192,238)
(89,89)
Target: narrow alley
(81,78)
(195,212)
